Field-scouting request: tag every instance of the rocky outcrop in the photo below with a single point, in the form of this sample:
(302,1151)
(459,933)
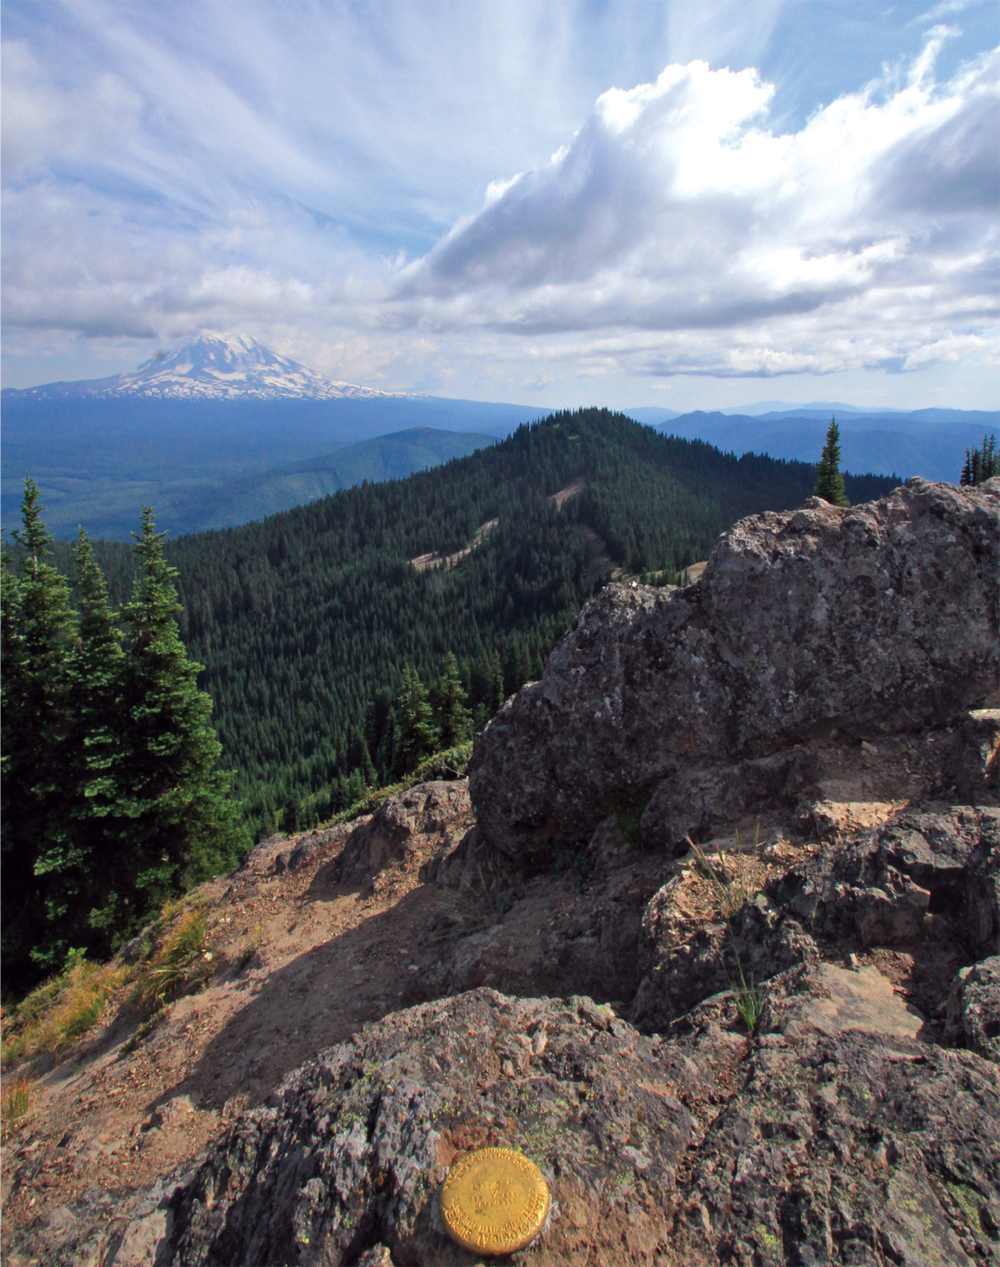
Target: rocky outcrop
(925,883)
(974,1009)
(574,931)
(847,1141)
(352,1149)
(975,760)
(412,832)
(878,618)
(835,1137)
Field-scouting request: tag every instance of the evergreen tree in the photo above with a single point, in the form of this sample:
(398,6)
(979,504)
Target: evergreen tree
(487,688)
(829,481)
(453,718)
(19,911)
(981,464)
(38,628)
(97,824)
(183,827)
(387,752)
(85,832)
(418,736)
(359,757)
(291,814)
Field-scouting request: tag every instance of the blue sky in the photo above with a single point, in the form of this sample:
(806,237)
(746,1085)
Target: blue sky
(691,204)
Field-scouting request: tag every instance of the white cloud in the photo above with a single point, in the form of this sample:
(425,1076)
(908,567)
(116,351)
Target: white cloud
(676,230)
(676,210)
(41,122)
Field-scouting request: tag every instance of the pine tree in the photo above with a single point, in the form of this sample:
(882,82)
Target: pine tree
(418,735)
(453,718)
(183,827)
(487,688)
(387,752)
(829,481)
(19,913)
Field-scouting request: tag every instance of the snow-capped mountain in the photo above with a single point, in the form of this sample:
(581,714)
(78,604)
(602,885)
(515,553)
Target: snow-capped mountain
(213,367)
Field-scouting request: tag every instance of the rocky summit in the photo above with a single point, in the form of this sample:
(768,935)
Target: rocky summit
(779,1045)
(683,704)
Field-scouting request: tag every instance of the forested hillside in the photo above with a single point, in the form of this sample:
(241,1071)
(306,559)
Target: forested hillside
(305,621)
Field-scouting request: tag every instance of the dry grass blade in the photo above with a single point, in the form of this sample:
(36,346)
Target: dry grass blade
(478,903)
(15,1101)
(736,878)
(60,1011)
(177,967)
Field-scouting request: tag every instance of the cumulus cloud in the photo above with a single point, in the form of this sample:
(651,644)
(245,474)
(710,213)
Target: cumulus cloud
(868,237)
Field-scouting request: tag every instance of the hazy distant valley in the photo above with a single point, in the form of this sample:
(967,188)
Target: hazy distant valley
(222,432)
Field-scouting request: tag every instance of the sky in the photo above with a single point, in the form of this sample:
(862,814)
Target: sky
(692,204)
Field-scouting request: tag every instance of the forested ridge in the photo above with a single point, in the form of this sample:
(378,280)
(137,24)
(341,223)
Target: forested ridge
(305,621)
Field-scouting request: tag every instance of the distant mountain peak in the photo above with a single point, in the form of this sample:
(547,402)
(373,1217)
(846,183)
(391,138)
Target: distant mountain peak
(215,366)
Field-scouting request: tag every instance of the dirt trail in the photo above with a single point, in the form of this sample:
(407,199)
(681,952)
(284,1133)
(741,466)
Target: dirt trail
(331,958)
(424,562)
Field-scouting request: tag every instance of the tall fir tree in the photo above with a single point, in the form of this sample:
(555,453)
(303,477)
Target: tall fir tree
(453,718)
(418,735)
(183,826)
(98,821)
(981,464)
(829,481)
(39,628)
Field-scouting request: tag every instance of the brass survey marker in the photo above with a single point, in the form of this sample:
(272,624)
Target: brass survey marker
(494,1201)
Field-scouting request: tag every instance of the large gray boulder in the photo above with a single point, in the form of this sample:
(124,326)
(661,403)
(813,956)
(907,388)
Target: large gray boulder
(882,617)
(835,1137)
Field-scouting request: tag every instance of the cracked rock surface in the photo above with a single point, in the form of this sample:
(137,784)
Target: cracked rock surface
(879,618)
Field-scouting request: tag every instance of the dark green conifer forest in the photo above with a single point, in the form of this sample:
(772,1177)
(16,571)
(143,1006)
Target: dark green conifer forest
(333,662)
(112,799)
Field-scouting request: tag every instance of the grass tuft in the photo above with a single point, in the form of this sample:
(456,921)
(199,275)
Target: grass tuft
(15,1101)
(735,878)
(178,967)
(479,903)
(59,1012)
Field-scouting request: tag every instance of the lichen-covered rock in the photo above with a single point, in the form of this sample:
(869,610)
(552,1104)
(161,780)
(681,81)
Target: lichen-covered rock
(352,1148)
(974,1009)
(981,897)
(880,617)
(412,832)
(679,810)
(876,889)
(848,1140)
(836,1136)
(975,763)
